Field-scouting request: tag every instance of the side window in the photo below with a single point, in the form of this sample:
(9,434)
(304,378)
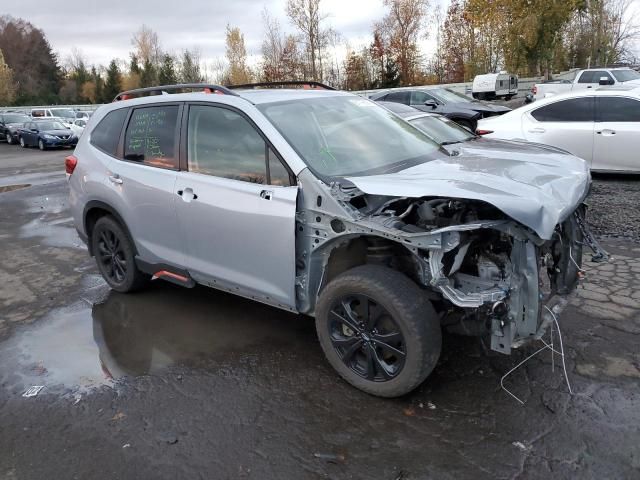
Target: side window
(106,134)
(224,144)
(151,136)
(597,75)
(418,98)
(398,97)
(618,109)
(586,77)
(278,174)
(572,110)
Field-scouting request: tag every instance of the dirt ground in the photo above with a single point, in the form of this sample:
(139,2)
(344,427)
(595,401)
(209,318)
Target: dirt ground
(176,383)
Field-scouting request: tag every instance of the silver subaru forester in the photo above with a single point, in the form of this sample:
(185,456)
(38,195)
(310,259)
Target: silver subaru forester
(324,203)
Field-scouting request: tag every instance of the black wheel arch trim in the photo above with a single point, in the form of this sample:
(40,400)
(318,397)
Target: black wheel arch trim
(97,204)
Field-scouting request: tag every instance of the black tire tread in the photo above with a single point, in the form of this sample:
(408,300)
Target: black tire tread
(136,279)
(404,300)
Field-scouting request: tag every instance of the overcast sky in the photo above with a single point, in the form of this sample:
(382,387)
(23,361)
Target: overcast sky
(102,30)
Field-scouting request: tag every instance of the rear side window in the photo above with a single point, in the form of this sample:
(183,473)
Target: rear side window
(572,110)
(106,134)
(151,136)
(618,109)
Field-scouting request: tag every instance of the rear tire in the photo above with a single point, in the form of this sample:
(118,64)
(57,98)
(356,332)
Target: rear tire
(9,138)
(115,256)
(378,330)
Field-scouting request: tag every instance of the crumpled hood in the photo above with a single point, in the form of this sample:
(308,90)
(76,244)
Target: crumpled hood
(534,185)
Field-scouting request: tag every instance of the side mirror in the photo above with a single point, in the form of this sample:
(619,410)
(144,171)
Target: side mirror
(35,130)
(431,103)
(605,81)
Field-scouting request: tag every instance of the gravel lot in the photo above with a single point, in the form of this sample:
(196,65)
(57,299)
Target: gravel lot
(615,207)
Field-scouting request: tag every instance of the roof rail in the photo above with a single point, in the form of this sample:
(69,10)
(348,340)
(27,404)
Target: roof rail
(307,85)
(205,87)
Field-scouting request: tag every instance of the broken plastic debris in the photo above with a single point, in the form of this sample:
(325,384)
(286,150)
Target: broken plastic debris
(330,457)
(520,445)
(431,406)
(33,391)
(126,445)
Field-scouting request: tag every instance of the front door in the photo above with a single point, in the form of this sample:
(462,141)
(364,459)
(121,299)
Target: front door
(617,134)
(236,207)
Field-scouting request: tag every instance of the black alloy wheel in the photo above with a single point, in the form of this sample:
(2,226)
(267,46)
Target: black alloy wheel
(111,255)
(367,338)
(378,330)
(115,256)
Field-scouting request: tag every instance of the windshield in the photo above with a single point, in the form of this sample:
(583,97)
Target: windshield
(63,112)
(625,75)
(346,135)
(50,126)
(448,95)
(442,130)
(15,118)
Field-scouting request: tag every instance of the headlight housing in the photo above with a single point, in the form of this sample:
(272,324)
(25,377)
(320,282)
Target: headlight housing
(48,137)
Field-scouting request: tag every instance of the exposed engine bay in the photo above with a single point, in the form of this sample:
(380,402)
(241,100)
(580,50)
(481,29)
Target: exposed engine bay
(486,274)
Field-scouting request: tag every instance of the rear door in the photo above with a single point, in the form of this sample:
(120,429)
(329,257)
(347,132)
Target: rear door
(617,134)
(144,178)
(236,205)
(567,124)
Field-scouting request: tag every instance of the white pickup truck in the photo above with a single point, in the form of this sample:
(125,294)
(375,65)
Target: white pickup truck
(591,78)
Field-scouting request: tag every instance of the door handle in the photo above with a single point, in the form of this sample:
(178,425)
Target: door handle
(115,179)
(266,194)
(187,194)
(537,130)
(606,132)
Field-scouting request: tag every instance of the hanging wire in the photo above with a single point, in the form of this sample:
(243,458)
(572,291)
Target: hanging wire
(547,346)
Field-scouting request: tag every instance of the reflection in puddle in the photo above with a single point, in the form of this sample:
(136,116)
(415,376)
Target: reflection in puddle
(80,347)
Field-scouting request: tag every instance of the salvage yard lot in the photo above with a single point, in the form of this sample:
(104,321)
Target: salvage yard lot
(176,383)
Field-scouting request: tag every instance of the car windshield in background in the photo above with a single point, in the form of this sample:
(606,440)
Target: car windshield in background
(346,135)
(15,118)
(625,75)
(50,126)
(63,112)
(442,130)
(449,96)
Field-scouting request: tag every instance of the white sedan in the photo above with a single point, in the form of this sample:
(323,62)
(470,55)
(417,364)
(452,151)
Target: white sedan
(601,126)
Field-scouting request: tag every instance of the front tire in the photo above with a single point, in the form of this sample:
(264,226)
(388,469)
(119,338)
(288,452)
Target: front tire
(378,330)
(41,145)
(115,256)
(23,144)
(9,138)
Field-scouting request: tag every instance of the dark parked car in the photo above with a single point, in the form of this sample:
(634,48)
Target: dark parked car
(458,107)
(10,124)
(46,134)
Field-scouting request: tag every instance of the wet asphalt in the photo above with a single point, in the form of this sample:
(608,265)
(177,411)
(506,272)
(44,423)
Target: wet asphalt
(177,383)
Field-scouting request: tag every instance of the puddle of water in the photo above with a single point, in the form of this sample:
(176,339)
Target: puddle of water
(10,188)
(55,233)
(81,346)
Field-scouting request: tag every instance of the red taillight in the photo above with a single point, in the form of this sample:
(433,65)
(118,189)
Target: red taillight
(483,132)
(70,164)
(534,90)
